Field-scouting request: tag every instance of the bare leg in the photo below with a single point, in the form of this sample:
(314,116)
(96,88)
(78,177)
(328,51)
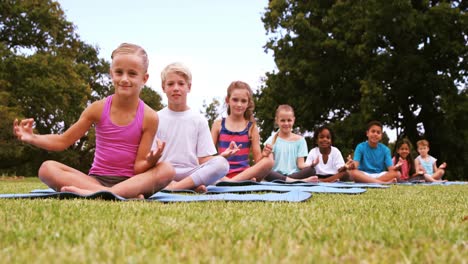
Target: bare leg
(201,189)
(144,184)
(185,184)
(57,175)
(308,179)
(432,178)
(438,174)
(359,176)
(257,172)
(335,177)
(82,191)
(389,177)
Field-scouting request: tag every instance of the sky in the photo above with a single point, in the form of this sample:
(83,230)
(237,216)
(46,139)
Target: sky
(220,41)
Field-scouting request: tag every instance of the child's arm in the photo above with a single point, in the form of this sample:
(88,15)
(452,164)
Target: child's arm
(309,162)
(418,167)
(301,163)
(349,165)
(146,158)
(257,152)
(354,163)
(434,166)
(56,142)
(215,129)
(302,149)
(396,164)
(232,149)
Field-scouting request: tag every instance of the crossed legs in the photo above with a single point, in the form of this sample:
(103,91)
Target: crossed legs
(64,178)
(258,171)
(360,176)
(201,176)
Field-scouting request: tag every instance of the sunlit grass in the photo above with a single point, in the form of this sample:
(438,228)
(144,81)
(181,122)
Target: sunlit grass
(402,224)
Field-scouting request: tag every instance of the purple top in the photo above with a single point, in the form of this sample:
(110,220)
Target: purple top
(117,146)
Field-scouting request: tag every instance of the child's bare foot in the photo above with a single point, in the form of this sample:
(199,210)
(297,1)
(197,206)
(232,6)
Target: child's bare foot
(200,189)
(76,190)
(311,179)
(170,186)
(392,181)
(439,180)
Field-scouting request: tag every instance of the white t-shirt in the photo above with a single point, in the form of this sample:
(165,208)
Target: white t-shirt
(187,136)
(335,161)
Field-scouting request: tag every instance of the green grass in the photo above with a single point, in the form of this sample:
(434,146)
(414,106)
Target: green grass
(402,224)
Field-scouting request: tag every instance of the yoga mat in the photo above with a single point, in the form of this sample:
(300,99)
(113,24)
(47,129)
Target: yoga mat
(283,188)
(63,195)
(292,196)
(433,183)
(255,188)
(299,183)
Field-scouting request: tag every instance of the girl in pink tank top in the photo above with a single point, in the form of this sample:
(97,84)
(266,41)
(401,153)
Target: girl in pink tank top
(125,127)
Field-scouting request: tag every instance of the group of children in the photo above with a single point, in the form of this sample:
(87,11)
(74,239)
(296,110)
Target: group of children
(140,151)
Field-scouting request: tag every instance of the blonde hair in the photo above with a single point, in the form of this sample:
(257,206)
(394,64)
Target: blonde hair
(177,68)
(128,48)
(422,143)
(249,112)
(285,108)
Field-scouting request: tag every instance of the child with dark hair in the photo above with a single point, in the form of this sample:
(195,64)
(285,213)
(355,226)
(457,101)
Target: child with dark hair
(403,160)
(328,161)
(372,158)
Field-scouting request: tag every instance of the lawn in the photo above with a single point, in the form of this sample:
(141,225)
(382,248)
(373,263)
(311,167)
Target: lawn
(401,224)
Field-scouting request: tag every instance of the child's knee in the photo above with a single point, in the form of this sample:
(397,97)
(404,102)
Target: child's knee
(46,168)
(166,170)
(269,163)
(222,164)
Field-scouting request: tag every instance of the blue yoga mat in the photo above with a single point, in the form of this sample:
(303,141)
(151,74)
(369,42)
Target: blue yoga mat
(433,183)
(283,188)
(243,188)
(299,183)
(292,196)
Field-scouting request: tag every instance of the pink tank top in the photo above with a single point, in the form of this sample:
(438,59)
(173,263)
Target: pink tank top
(117,146)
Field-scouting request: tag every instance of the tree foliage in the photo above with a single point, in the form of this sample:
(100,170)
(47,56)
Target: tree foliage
(151,98)
(49,74)
(348,62)
(211,110)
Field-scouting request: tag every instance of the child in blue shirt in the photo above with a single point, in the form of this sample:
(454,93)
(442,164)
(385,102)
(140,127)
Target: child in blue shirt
(289,150)
(426,164)
(373,159)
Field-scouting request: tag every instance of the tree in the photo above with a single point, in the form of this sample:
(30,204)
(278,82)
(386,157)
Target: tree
(49,74)
(401,62)
(151,98)
(212,111)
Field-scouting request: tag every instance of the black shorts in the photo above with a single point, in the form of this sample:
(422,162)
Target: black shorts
(109,181)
